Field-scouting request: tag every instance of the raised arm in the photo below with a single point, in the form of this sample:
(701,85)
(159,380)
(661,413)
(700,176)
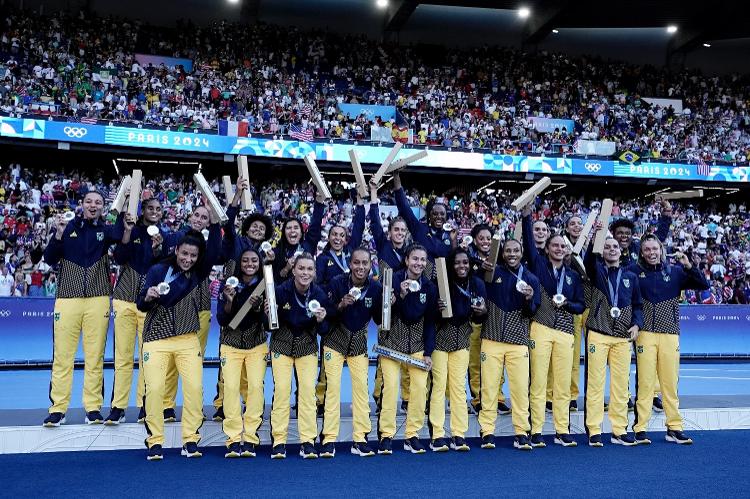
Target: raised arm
(314,231)
(358,226)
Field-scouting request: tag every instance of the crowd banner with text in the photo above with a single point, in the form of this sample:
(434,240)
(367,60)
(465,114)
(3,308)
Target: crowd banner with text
(595,148)
(551,124)
(385,113)
(145,59)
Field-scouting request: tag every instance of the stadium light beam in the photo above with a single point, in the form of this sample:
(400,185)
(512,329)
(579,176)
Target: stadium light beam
(233,1)
(524,12)
(671,29)
(382,4)
(707,45)
(555,31)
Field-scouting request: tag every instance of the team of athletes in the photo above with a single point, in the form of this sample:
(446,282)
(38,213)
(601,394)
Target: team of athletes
(522,318)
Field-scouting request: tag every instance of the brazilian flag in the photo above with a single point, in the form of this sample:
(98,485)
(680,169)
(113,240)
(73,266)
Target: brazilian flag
(629,157)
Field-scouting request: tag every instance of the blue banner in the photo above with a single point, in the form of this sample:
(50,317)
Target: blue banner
(145,59)
(114,135)
(371,112)
(551,124)
(26,331)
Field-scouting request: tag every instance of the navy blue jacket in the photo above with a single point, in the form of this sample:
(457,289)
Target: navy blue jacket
(387,254)
(628,298)
(436,241)
(509,310)
(661,287)
(308,243)
(326,267)
(135,259)
(368,307)
(417,306)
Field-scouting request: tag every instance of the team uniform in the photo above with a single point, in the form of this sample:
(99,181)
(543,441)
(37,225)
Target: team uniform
(243,352)
(308,243)
(347,342)
(330,264)
(450,363)
(170,337)
(294,347)
(505,344)
(658,345)
(412,332)
(608,343)
(475,343)
(81,304)
(551,336)
(135,259)
(437,242)
(389,257)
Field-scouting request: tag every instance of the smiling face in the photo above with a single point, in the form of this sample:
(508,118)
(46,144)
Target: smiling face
(416,262)
(360,264)
(612,251)
(623,236)
(304,272)
(337,238)
(512,253)
(397,231)
(257,231)
(541,233)
(199,220)
(438,216)
(186,255)
(651,251)
(152,212)
(483,241)
(574,227)
(461,265)
(249,264)
(93,205)
(292,232)
(556,249)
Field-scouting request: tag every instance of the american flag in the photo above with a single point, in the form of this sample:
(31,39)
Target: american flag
(703,168)
(299,133)
(306,110)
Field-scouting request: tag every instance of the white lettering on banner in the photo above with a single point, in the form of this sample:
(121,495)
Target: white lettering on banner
(5,313)
(725,317)
(659,171)
(43,314)
(155,138)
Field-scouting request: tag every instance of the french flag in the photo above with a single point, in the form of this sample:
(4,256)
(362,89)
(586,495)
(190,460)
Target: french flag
(233,128)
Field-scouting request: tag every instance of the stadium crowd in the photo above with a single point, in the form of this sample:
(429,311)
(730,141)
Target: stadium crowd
(274,77)
(715,237)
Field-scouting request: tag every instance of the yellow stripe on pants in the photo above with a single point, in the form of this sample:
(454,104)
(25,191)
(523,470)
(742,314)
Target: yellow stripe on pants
(358,370)
(170,390)
(71,316)
(449,370)
(547,345)
(657,354)
(601,350)
(184,352)
(128,330)
(417,401)
(515,358)
(579,324)
(475,367)
(307,373)
(250,364)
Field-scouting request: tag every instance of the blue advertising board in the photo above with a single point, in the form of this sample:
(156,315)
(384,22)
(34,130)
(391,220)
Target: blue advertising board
(26,331)
(261,147)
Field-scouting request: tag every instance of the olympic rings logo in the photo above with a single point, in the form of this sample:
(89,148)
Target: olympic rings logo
(75,132)
(592,167)
(5,313)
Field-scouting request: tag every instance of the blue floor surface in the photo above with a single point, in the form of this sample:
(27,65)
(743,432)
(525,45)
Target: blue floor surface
(715,466)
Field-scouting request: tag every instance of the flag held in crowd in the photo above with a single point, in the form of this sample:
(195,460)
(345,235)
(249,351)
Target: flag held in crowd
(233,128)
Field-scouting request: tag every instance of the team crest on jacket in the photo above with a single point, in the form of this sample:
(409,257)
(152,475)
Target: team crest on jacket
(368,302)
(499,280)
(568,280)
(73,234)
(137,241)
(330,263)
(287,306)
(626,283)
(100,236)
(422,297)
(642,275)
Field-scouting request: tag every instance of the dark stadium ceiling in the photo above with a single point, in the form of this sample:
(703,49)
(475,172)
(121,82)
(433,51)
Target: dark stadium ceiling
(634,30)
